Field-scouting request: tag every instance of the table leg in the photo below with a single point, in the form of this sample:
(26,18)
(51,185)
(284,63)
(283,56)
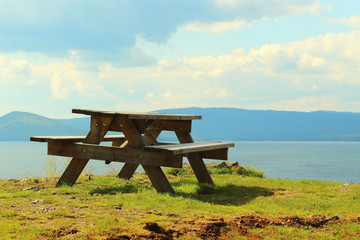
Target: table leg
(98,128)
(128,170)
(195,160)
(136,140)
(158,179)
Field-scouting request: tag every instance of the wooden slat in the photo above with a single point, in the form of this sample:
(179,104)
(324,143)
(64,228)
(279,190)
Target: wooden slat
(218,154)
(115,154)
(185,148)
(173,125)
(73,138)
(136,115)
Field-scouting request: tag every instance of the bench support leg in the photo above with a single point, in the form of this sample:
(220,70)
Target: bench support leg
(195,160)
(98,129)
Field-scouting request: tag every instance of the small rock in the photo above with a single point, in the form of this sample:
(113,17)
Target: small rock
(29,188)
(344,187)
(45,209)
(13,180)
(232,164)
(25,180)
(223,164)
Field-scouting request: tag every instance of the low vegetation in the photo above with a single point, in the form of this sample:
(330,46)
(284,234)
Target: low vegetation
(242,205)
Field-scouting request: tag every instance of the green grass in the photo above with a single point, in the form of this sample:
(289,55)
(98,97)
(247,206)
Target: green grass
(106,206)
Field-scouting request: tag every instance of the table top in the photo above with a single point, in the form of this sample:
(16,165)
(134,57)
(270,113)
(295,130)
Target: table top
(138,115)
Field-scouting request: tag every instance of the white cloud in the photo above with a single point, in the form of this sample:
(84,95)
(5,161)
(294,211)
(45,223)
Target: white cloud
(112,26)
(58,89)
(168,94)
(304,104)
(269,9)
(315,73)
(244,12)
(151,95)
(14,71)
(223,93)
(353,21)
(273,73)
(215,27)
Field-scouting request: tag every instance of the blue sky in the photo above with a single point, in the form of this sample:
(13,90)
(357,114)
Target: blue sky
(149,55)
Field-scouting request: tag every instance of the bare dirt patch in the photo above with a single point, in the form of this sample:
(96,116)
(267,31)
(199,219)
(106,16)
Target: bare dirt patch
(219,228)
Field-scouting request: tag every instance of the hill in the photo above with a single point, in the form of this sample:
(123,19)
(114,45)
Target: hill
(19,126)
(259,125)
(217,123)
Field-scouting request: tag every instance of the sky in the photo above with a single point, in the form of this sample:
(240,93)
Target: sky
(139,55)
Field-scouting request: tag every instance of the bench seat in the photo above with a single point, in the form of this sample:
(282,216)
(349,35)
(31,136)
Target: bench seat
(71,139)
(211,149)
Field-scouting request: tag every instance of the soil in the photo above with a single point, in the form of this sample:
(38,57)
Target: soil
(219,228)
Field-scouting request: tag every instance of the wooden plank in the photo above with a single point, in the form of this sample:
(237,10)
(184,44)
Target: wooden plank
(150,137)
(218,154)
(115,154)
(116,125)
(74,138)
(137,115)
(118,142)
(171,125)
(185,148)
(98,129)
(195,160)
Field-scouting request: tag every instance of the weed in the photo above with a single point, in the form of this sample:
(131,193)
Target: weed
(51,168)
(248,171)
(112,171)
(177,171)
(238,170)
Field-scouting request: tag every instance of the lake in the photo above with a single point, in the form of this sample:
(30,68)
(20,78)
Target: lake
(332,161)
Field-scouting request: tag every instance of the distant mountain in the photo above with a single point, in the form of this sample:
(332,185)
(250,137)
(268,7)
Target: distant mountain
(217,124)
(19,126)
(81,123)
(258,125)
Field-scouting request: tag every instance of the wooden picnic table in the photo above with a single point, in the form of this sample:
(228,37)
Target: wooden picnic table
(137,146)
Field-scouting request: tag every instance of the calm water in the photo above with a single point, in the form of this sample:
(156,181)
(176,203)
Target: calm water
(334,161)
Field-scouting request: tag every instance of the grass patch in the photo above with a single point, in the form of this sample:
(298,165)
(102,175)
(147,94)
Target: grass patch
(107,208)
